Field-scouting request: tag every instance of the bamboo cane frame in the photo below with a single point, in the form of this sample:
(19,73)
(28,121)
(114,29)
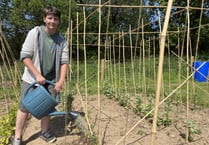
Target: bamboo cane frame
(161,102)
(8,72)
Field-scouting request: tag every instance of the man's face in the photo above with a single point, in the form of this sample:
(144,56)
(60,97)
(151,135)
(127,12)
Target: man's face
(51,22)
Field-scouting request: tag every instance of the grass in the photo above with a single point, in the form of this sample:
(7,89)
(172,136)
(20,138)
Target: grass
(171,80)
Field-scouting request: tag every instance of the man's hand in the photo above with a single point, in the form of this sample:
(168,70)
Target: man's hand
(40,79)
(58,86)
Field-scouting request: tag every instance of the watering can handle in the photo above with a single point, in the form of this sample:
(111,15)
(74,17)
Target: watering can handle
(48,82)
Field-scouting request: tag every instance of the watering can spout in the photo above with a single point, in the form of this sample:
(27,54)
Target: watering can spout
(72,114)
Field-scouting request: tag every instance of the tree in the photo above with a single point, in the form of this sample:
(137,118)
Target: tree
(27,14)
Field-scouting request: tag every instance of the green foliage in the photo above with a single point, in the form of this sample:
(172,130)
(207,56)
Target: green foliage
(192,130)
(108,90)
(70,99)
(142,108)
(7,125)
(166,119)
(124,100)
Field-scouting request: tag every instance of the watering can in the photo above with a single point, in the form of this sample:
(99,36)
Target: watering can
(40,103)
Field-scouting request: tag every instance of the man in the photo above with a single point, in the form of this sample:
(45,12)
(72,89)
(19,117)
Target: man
(45,56)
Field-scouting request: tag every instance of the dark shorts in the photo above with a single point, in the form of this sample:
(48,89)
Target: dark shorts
(25,85)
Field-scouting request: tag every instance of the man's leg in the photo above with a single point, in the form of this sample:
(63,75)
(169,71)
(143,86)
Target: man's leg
(20,123)
(45,135)
(45,124)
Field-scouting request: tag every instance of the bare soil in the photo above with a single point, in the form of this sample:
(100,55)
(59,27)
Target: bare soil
(116,121)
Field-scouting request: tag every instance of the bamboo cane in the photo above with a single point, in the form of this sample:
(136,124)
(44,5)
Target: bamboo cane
(99,99)
(119,49)
(124,64)
(140,6)
(110,62)
(77,51)
(9,75)
(137,34)
(188,38)
(160,68)
(140,62)
(199,29)
(179,64)
(124,69)
(154,61)
(132,63)
(115,72)
(149,41)
(143,59)
(106,40)
(87,119)
(84,49)
(169,64)
(71,49)
(3,86)
(95,11)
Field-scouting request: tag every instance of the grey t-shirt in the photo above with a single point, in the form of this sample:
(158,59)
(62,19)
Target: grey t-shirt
(49,51)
